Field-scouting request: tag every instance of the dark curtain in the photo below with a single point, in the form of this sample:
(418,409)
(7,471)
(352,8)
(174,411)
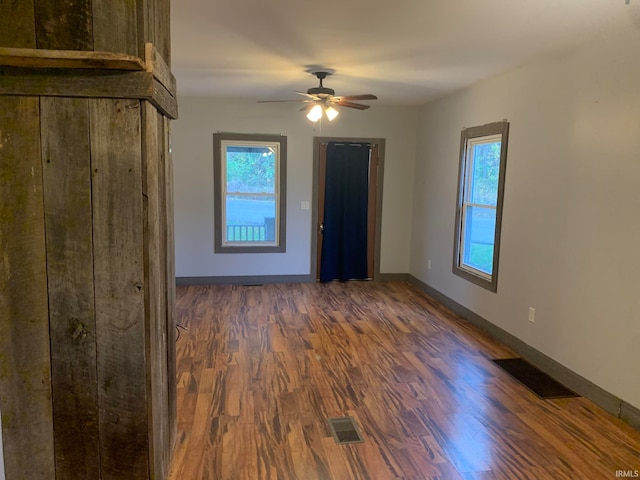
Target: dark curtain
(344,239)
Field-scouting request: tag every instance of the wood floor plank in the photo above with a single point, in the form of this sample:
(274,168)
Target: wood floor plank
(261,368)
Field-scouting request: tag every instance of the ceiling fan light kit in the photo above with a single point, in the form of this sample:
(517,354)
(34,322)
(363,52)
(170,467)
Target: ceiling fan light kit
(323,99)
(315,113)
(331,112)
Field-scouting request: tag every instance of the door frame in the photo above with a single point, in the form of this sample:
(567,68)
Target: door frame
(315,225)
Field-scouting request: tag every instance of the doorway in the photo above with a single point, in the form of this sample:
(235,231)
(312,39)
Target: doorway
(369,227)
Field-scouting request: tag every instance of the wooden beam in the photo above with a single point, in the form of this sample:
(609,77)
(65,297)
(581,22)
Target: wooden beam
(33,58)
(155,64)
(70,83)
(69,73)
(164,100)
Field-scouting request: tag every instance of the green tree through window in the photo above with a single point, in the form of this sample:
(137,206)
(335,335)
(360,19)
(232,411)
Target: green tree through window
(250,169)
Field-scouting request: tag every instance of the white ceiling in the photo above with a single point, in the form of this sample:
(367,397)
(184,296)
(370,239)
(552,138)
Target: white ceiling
(406,52)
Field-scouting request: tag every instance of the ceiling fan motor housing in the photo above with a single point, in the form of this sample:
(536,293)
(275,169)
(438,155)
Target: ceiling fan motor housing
(321,91)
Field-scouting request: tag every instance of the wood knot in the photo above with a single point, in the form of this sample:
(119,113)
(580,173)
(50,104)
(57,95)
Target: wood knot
(79,330)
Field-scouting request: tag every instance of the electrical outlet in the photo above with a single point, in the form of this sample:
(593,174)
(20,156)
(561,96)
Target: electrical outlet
(532,315)
(429,264)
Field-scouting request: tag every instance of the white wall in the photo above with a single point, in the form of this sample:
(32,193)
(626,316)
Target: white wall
(571,220)
(193,159)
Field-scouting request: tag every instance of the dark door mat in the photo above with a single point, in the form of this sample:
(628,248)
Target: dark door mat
(535,380)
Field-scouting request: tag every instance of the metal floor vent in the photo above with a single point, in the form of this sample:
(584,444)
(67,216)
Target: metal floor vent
(345,430)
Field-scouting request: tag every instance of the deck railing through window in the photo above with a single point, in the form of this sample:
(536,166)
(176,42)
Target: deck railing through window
(252,233)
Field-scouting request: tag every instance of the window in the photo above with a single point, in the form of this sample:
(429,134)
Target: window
(250,187)
(483,159)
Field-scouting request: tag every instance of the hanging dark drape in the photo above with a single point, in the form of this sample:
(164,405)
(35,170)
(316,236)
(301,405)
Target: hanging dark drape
(344,239)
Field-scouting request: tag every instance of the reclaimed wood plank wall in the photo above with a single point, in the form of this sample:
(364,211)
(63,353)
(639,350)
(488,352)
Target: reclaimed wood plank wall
(170,273)
(73,30)
(25,365)
(87,288)
(66,160)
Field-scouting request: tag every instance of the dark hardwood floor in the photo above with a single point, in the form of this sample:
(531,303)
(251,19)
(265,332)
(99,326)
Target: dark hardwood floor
(260,369)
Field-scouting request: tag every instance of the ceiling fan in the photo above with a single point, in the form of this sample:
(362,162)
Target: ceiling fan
(322,99)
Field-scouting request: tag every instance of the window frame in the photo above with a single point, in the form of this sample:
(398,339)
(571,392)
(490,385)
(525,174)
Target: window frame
(220,141)
(468,138)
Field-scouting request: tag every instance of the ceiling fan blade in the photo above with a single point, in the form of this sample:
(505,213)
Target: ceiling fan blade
(365,96)
(313,97)
(280,101)
(359,106)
